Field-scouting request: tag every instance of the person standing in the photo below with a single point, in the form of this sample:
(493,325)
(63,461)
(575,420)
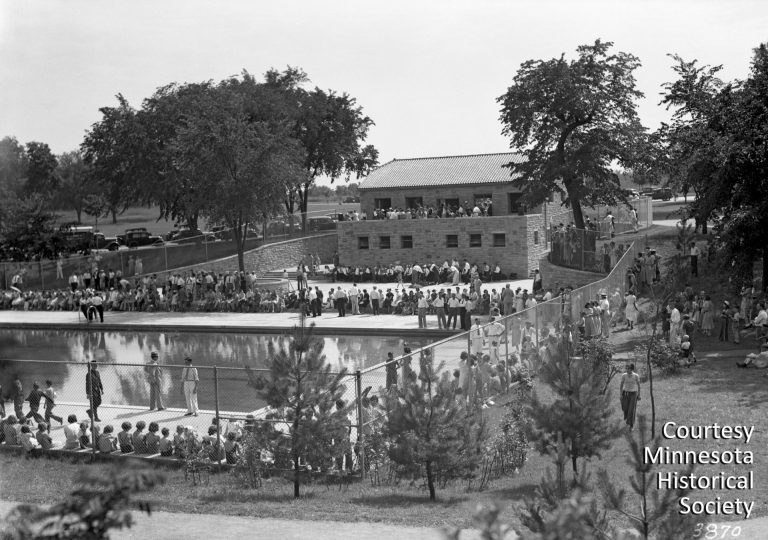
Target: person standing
(630,394)
(674,324)
(18,397)
(476,338)
(439,305)
(422,305)
(537,283)
(354,292)
(50,402)
(155,375)
(94,390)
(391,370)
(605,315)
(725,320)
(695,252)
(375,297)
(138,266)
(60,267)
(97,301)
(341,301)
(34,398)
(495,331)
(190,382)
(631,312)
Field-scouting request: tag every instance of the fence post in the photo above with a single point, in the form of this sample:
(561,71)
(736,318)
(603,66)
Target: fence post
(506,338)
(360,436)
(165,251)
(93,414)
(536,323)
(583,235)
(218,418)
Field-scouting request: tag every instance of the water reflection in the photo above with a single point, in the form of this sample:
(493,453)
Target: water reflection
(127,385)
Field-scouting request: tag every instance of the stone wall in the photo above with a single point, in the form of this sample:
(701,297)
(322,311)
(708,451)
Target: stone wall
(276,256)
(557,276)
(519,254)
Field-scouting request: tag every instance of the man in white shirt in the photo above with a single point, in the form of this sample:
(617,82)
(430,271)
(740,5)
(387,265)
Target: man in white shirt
(422,306)
(439,305)
(674,324)
(476,338)
(190,382)
(495,331)
(375,297)
(453,311)
(605,319)
(695,252)
(353,294)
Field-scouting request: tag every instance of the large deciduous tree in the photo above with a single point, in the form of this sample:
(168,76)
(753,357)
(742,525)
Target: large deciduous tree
(75,182)
(716,143)
(574,121)
(331,128)
(41,164)
(113,148)
(240,157)
(13,166)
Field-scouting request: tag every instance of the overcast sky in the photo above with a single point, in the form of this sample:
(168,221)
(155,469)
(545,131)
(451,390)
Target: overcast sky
(428,73)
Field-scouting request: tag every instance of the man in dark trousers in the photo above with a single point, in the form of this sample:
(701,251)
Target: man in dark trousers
(94,390)
(34,398)
(18,397)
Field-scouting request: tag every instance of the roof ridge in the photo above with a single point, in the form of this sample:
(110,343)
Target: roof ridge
(455,156)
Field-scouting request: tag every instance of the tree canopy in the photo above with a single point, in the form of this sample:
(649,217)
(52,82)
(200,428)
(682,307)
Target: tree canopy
(574,121)
(716,143)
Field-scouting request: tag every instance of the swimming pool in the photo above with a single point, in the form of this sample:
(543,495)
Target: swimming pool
(61,356)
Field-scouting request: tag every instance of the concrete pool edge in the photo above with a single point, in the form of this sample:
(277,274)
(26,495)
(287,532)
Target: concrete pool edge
(232,329)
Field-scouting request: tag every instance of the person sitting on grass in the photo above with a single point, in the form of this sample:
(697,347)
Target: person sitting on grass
(72,433)
(107,441)
(83,436)
(11,431)
(216,449)
(139,438)
(232,448)
(165,446)
(153,440)
(178,441)
(28,441)
(42,436)
(124,438)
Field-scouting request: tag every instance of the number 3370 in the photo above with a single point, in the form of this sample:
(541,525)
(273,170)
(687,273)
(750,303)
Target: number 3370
(713,530)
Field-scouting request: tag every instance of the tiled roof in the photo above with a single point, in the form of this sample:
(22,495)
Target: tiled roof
(442,171)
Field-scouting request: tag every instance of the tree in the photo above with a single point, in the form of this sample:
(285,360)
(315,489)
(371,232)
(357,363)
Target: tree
(74,182)
(239,163)
(580,417)
(27,227)
(303,392)
(112,148)
(331,128)
(572,122)
(101,502)
(13,165)
(428,425)
(715,145)
(41,164)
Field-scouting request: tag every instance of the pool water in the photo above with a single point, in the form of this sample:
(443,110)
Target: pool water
(30,352)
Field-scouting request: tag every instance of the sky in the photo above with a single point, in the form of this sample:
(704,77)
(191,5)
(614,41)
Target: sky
(427,72)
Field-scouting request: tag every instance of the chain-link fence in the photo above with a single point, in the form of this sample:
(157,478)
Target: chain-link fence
(134,259)
(208,401)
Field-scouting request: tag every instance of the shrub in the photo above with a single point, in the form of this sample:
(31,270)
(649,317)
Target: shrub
(664,356)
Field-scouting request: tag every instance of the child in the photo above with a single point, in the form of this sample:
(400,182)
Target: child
(83,436)
(124,438)
(72,433)
(217,446)
(11,431)
(166,445)
(107,441)
(152,440)
(43,439)
(178,441)
(139,438)
(28,441)
(685,352)
(232,448)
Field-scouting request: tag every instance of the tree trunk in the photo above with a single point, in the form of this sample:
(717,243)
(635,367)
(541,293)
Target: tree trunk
(430,481)
(303,201)
(574,458)
(239,235)
(578,215)
(650,376)
(192,222)
(296,475)
(79,212)
(113,211)
(765,270)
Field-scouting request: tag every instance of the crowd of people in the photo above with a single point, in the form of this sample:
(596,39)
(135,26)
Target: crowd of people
(480,208)
(429,273)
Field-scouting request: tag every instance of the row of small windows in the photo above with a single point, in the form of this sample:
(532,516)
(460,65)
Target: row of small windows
(451,241)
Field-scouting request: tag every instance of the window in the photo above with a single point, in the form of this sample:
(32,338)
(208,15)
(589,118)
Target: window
(515,207)
(536,237)
(406,242)
(475,240)
(384,242)
(452,241)
(499,240)
(362,242)
(414,202)
(382,203)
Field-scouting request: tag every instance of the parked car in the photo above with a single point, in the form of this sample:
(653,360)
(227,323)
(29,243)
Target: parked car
(190,236)
(324,223)
(138,237)
(634,194)
(105,242)
(283,226)
(648,191)
(351,199)
(664,194)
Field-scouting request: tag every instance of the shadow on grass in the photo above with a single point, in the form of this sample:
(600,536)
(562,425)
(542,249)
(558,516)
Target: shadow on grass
(748,386)
(401,500)
(515,493)
(256,495)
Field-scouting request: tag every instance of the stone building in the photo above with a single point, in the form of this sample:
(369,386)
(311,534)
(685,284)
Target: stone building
(514,236)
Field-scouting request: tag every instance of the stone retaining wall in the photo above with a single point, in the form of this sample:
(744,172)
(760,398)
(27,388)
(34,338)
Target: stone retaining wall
(275,256)
(557,276)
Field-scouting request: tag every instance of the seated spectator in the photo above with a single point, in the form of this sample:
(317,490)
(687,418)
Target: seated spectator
(139,438)
(43,438)
(231,448)
(11,431)
(107,442)
(83,435)
(178,441)
(28,441)
(152,440)
(124,438)
(165,446)
(72,433)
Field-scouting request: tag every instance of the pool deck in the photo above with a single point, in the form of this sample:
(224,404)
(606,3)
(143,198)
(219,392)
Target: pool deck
(263,323)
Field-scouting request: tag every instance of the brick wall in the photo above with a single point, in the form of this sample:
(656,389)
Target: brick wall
(557,276)
(520,254)
(276,256)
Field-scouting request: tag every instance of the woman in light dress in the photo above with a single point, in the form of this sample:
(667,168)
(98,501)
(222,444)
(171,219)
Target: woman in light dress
(707,316)
(631,310)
